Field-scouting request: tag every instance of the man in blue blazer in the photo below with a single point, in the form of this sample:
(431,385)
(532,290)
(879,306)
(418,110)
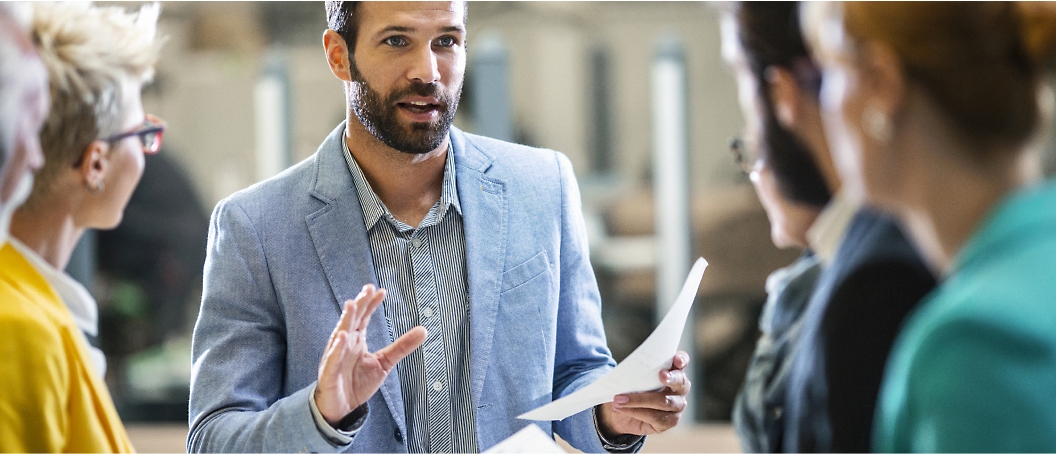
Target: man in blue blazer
(480,303)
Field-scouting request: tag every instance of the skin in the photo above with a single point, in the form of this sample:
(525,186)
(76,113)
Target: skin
(388,59)
(796,111)
(428,47)
(66,207)
(31,90)
(924,172)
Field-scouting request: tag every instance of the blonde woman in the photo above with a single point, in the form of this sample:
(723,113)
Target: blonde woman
(53,397)
(930,109)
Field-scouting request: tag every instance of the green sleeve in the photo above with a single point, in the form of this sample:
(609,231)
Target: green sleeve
(971,385)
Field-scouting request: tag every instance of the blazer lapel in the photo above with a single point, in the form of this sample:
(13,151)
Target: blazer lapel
(340,240)
(484,204)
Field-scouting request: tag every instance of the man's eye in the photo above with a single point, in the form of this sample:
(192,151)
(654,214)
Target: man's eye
(395,41)
(446,41)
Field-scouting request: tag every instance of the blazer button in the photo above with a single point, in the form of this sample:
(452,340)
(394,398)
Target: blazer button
(397,435)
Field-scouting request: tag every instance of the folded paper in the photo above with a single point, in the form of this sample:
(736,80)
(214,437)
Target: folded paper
(640,371)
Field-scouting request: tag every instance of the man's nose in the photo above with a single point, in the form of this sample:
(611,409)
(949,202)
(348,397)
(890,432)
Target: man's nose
(425,67)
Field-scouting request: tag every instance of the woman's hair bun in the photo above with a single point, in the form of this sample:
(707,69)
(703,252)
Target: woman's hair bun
(1039,33)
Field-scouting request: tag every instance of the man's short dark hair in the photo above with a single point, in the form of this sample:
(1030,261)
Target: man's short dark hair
(769,33)
(341,18)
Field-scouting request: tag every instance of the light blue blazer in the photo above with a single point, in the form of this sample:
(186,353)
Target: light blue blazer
(283,253)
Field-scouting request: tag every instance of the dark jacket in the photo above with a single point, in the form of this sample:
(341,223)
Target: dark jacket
(758,413)
(875,279)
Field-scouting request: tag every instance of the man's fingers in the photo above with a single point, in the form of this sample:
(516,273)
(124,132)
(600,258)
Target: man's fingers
(371,304)
(655,420)
(653,400)
(332,359)
(389,356)
(675,380)
(681,360)
(363,300)
(345,322)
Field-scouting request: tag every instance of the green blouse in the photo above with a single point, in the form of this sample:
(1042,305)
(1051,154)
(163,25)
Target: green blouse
(974,369)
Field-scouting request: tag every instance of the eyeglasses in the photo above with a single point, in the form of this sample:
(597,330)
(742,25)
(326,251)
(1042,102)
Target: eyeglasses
(742,156)
(149,134)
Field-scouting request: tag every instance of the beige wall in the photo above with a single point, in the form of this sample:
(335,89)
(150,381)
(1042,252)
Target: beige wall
(216,52)
(549,43)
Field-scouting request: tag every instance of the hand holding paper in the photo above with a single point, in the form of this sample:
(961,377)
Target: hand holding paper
(640,371)
(648,412)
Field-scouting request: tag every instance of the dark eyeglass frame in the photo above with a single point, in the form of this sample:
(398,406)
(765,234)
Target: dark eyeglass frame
(149,133)
(740,155)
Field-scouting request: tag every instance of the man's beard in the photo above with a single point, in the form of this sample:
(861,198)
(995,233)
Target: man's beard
(378,114)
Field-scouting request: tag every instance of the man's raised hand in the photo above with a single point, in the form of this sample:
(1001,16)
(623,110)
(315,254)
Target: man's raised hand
(349,374)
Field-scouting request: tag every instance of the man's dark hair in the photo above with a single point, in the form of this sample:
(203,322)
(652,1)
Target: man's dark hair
(341,18)
(770,36)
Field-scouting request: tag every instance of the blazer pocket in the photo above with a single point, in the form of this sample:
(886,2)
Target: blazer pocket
(521,274)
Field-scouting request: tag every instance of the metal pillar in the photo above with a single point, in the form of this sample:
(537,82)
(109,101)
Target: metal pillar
(602,161)
(271,98)
(671,187)
(492,111)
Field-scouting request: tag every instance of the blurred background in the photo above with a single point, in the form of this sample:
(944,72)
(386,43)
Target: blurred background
(635,93)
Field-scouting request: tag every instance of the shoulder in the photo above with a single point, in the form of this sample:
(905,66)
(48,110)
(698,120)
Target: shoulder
(278,190)
(301,187)
(29,327)
(22,315)
(985,329)
(29,303)
(511,159)
(875,237)
(876,260)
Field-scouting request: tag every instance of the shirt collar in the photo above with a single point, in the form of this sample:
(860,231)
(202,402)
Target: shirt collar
(826,234)
(82,306)
(374,209)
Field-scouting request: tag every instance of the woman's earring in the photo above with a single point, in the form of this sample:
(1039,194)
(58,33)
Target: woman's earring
(876,123)
(95,189)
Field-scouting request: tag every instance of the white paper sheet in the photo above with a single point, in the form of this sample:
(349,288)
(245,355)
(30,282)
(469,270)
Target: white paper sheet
(640,371)
(528,439)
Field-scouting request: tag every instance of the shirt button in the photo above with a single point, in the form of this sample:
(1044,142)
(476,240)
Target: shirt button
(416,242)
(437,386)
(427,312)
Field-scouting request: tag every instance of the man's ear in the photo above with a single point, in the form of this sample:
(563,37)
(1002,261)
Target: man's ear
(94,164)
(337,55)
(785,95)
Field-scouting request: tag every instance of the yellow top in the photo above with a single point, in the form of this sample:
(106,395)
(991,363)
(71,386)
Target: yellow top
(50,398)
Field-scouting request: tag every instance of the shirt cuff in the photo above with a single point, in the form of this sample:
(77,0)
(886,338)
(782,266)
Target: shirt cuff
(622,443)
(350,424)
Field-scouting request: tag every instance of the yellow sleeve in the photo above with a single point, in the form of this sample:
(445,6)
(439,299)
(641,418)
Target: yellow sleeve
(34,384)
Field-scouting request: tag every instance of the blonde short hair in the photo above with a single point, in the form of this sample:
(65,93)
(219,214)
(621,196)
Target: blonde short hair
(93,54)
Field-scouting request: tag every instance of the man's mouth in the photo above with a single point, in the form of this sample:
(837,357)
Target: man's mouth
(419,107)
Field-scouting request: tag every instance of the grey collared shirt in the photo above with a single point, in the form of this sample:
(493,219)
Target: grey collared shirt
(424,270)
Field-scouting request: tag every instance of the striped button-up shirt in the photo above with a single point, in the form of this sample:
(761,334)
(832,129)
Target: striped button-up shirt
(424,271)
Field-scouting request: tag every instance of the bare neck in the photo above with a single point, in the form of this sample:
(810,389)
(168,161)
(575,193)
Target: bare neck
(408,184)
(49,230)
(948,196)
